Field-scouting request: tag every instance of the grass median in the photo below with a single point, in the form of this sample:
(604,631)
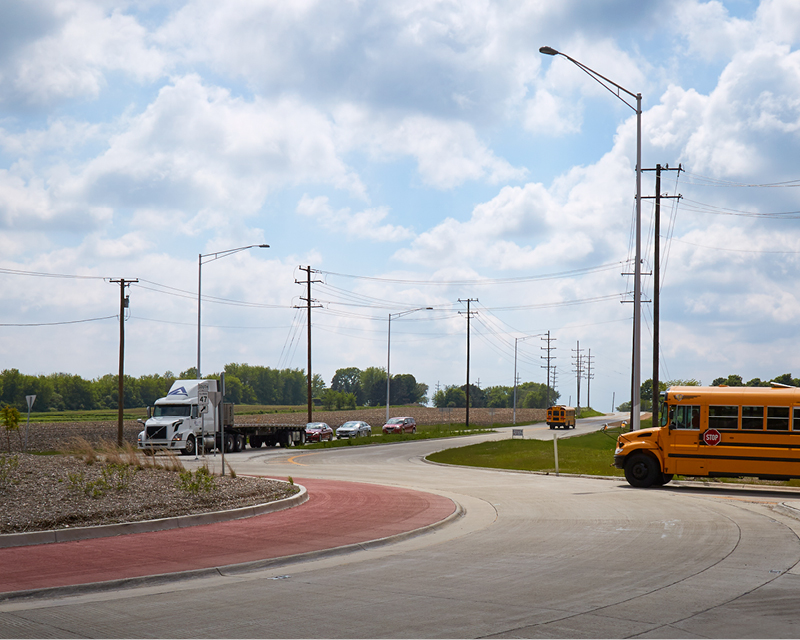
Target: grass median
(590,454)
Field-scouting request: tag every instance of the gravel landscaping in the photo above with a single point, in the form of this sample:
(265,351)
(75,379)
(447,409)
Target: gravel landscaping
(39,493)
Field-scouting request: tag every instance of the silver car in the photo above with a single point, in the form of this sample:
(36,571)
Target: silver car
(354,429)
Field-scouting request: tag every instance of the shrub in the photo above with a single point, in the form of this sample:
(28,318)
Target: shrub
(8,464)
(200,480)
(11,418)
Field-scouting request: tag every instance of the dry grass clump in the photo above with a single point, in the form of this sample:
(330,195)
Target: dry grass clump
(109,453)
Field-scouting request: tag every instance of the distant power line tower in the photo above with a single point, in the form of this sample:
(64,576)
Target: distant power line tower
(578,364)
(589,376)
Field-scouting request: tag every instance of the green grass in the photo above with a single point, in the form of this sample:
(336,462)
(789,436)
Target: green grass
(590,454)
(588,412)
(83,415)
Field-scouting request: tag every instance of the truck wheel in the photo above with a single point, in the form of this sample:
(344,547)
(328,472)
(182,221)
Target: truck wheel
(255,442)
(188,450)
(239,442)
(303,438)
(228,443)
(641,470)
(287,440)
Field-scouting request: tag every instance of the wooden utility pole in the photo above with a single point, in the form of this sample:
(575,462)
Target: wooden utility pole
(308,300)
(469,315)
(657,282)
(123,304)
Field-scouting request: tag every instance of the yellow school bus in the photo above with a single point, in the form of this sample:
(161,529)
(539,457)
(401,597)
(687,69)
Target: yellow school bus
(559,416)
(716,432)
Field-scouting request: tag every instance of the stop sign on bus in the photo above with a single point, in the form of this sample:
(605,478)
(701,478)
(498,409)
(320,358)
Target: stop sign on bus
(712,437)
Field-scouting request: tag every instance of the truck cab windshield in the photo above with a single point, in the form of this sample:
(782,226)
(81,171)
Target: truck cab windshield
(171,410)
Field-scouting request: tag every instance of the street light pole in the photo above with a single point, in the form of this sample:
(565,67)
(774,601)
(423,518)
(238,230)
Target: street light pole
(389,350)
(637,269)
(200,263)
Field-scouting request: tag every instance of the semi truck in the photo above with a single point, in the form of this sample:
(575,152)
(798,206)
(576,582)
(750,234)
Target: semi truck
(190,418)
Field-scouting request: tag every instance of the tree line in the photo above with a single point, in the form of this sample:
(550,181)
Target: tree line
(244,384)
(733,380)
(530,395)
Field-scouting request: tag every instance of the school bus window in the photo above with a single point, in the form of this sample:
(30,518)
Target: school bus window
(796,423)
(778,418)
(752,417)
(725,417)
(686,417)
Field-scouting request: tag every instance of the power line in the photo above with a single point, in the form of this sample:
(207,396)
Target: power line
(486,281)
(51,324)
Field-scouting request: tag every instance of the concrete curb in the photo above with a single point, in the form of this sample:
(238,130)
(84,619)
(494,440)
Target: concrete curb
(692,484)
(789,509)
(145,526)
(227,570)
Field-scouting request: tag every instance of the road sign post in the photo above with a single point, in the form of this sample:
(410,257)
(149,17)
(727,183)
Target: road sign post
(30,400)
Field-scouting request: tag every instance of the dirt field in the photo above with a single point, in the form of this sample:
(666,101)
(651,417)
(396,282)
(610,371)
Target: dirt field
(53,436)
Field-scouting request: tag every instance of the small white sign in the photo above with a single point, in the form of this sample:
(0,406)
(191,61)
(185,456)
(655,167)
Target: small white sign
(202,398)
(30,400)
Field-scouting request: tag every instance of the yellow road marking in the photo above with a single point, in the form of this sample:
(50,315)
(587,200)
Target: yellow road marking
(300,455)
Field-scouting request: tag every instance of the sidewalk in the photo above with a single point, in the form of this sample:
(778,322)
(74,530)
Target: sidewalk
(336,514)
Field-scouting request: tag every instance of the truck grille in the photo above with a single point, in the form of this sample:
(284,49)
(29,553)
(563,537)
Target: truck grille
(156,433)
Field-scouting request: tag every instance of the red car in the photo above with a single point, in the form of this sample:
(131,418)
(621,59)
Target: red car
(318,431)
(400,425)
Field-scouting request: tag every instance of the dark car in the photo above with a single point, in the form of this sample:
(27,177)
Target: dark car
(400,425)
(318,431)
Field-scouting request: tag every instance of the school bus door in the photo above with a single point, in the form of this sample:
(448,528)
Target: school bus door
(683,452)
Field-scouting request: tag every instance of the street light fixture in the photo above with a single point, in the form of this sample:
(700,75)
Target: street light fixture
(637,269)
(389,349)
(200,262)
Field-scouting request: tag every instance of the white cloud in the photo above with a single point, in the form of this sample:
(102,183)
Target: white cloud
(448,153)
(83,43)
(197,147)
(362,224)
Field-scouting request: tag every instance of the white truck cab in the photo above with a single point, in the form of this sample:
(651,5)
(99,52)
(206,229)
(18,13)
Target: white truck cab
(183,419)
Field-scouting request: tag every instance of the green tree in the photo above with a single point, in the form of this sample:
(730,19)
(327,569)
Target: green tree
(499,396)
(733,380)
(349,381)
(317,385)
(373,386)
(403,389)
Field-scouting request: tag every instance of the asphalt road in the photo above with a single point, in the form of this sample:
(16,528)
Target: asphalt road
(534,556)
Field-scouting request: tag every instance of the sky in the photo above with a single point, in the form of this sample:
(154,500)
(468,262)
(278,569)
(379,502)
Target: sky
(412,154)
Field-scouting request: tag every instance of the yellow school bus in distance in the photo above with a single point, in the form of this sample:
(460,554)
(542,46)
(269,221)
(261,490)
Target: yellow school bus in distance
(560,417)
(716,432)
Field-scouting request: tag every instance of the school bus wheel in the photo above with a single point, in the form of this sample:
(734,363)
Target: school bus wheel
(642,470)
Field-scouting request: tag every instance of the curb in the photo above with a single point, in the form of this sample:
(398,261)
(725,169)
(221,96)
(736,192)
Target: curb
(791,510)
(228,570)
(8,540)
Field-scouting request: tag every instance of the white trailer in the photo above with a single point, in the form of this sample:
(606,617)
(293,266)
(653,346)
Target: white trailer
(187,418)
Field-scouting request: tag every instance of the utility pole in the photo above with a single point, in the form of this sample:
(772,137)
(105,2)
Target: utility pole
(469,315)
(123,304)
(308,299)
(578,370)
(657,281)
(548,357)
(589,376)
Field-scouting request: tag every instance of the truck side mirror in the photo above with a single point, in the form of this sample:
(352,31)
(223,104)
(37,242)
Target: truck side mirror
(149,412)
(194,411)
